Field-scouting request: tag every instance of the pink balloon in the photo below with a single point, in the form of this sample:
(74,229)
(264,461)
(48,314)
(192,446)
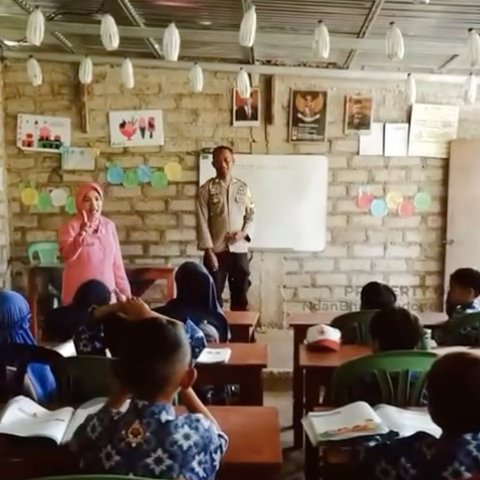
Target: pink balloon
(406,209)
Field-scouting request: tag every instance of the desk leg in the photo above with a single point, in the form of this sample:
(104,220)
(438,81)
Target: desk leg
(251,388)
(298,389)
(33,300)
(312,459)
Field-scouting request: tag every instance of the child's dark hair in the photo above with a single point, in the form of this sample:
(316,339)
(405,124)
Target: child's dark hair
(467,278)
(90,293)
(219,149)
(395,328)
(453,388)
(377,296)
(150,351)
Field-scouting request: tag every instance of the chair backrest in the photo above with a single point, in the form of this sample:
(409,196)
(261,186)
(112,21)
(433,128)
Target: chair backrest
(44,253)
(463,330)
(400,376)
(14,360)
(355,326)
(82,378)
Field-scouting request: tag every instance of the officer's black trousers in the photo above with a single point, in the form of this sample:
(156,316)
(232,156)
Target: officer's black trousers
(235,268)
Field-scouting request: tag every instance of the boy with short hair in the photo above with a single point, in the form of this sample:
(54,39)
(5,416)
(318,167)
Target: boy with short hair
(150,439)
(377,296)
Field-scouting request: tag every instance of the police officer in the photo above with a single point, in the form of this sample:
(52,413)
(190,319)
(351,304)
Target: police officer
(225,223)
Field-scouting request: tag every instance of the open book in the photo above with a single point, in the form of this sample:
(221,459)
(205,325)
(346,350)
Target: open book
(360,419)
(23,417)
(214,355)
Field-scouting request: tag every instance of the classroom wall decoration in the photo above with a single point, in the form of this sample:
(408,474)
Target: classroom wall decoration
(358,113)
(136,128)
(308,116)
(39,133)
(75,158)
(48,198)
(246,111)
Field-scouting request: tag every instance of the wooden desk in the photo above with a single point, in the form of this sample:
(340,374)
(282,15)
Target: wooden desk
(258,458)
(300,323)
(245,368)
(242,325)
(141,277)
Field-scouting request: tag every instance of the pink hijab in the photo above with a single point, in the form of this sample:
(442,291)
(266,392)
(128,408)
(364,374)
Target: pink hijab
(83,190)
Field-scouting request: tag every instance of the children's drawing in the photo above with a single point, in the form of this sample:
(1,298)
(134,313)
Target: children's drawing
(406,209)
(364,198)
(44,203)
(29,194)
(159,179)
(422,202)
(173,171)
(394,200)
(59,197)
(144,173)
(70,206)
(136,128)
(115,174)
(39,133)
(379,208)
(130,180)
(74,158)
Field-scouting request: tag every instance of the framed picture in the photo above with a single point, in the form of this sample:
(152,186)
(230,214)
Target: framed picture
(136,128)
(246,111)
(308,116)
(358,113)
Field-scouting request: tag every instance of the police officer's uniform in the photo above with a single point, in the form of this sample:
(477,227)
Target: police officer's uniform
(226,208)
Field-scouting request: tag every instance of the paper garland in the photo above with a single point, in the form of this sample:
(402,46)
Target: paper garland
(47,199)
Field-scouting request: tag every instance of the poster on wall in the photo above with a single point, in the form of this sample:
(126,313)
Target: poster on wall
(358,113)
(76,158)
(432,128)
(39,133)
(246,111)
(308,116)
(136,128)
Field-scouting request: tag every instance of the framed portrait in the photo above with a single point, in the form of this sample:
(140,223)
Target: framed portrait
(246,111)
(358,113)
(307,116)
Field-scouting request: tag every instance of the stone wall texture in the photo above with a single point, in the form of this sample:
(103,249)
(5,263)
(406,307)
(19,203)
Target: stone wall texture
(158,226)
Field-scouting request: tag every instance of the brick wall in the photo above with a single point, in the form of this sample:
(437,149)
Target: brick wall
(159,225)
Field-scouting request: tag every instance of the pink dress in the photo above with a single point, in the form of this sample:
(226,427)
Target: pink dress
(95,256)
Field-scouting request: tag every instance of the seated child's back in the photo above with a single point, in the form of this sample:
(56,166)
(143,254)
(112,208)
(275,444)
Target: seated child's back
(150,439)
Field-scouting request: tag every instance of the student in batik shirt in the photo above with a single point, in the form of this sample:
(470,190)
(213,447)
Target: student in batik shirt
(150,439)
(453,387)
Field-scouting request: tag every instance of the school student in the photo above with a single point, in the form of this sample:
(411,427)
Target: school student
(15,319)
(453,387)
(377,296)
(151,439)
(197,301)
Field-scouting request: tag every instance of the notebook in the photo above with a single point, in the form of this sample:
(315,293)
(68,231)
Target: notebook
(360,419)
(214,355)
(22,417)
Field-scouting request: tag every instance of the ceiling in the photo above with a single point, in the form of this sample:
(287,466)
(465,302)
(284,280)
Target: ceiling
(434,34)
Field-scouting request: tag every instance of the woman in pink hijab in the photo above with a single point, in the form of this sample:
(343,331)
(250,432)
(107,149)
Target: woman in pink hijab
(90,247)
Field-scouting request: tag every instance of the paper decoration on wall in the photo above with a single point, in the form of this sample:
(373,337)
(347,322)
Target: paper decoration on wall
(422,202)
(406,209)
(379,208)
(394,200)
(115,174)
(130,180)
(144,173)
(364,198)
(59,197)
(372,143)
(39,133)
(44,202)
(29,194)
(70,205)
(136,128)
(396,139)
(173,171)
(75,158)
(159,180)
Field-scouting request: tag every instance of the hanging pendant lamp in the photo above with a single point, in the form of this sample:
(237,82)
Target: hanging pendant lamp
(248,28)
(410,90)
(321,41)
(470,89)
(394,44)
(109,33)
(171,43)
(473,48)
(34,72)
(85,70)
(128,77)
(35,28)
(243,84)
(196,78)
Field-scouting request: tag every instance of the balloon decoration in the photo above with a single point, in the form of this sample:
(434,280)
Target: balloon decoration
(47,199)
(143,175)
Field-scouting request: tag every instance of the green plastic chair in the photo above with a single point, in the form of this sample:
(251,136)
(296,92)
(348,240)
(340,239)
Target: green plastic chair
(393,371)
(92,477)
(44,253)
(355,326)
(461,330)
(82,378)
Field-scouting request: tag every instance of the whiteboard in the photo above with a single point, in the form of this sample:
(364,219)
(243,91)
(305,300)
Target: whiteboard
(290,196)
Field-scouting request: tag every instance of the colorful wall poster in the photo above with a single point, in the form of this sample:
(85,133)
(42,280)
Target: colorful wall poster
(139,128)
(308,116)
(39,133)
